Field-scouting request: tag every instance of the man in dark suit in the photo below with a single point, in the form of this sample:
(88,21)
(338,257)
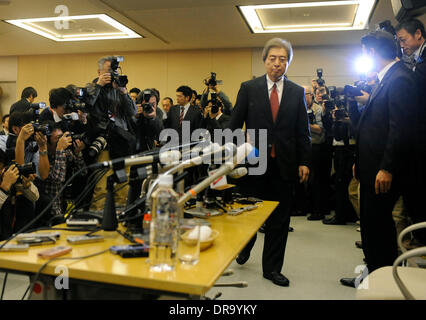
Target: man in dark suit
(274,103)
(412,38)
(27,97)
(184,117)
(385,140)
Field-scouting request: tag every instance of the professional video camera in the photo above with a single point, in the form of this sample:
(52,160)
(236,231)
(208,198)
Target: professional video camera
(212,81)
(144,98)
(320,80)
(120,80)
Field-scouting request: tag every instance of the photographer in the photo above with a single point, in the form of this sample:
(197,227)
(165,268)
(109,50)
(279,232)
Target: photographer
(110,121)
(63,161)
(318,182)
(411,35)
(215,118)
(59,111)
(344,157)
(148,123)
(211,85)
(17,197)
(27,98)
(22,149)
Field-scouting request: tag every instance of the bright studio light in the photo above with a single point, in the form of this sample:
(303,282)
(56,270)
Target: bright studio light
(363,64)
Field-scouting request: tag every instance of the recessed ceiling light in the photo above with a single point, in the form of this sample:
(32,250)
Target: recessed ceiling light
(359,10)
(104,28)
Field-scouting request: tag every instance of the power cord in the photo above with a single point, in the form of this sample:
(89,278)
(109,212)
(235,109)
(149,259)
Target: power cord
(31,286)
(29,224)
(4,285)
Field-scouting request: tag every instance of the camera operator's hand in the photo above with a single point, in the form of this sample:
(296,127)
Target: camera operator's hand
(362,99)
(9,178)
(41,140)
(64,142)
(26,181)
(383,181)
(78,146)
(26,132)
(104,79)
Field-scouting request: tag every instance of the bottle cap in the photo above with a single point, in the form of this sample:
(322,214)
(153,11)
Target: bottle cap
(166,180)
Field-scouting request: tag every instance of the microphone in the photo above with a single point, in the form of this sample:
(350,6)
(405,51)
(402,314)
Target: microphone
(238,173)
(241,153)
(164,157)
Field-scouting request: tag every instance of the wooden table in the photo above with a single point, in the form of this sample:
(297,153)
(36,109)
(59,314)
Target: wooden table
(234,233)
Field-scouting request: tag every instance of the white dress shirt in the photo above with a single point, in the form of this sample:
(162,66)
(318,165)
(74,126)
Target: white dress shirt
(383,72)
(280,87)
(185,110)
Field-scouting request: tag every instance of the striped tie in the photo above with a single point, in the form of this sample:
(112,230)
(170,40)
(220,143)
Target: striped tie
(182,109)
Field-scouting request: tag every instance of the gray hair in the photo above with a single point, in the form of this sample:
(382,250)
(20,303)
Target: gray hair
(308,89)
(278,43)
(102,60)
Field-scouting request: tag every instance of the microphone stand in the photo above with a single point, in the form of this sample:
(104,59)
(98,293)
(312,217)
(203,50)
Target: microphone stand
(109,221)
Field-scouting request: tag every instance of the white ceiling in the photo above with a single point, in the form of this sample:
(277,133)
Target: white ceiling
(165,25)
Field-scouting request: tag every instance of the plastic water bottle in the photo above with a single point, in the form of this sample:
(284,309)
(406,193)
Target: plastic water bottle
(163,234)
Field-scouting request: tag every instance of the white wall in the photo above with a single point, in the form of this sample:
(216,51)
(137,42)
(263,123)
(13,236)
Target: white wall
(8,77)
(337,64)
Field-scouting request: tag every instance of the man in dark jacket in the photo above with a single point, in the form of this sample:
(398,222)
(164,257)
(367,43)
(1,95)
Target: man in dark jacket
(385,138)
(27,98)
(274,103)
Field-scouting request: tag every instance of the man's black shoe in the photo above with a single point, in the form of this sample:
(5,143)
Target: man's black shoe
(358,244)
(333,221)
(242,258)
(262,228)
(277,278)
(351,282)
(290,229)
(315,216)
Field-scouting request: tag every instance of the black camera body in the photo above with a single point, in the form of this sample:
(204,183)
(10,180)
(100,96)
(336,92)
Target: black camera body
(120,80)
(43,128)
(145,97)
(355,90)
(36,109)
(215,103)
(212,81)
(26,169)
(311,117)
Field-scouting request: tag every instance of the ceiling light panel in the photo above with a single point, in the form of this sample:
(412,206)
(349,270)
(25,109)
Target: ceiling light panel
(308,16)
(77,28)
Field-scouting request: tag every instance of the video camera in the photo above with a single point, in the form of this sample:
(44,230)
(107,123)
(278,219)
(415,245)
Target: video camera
(212,81)
(120,80)
(320,80)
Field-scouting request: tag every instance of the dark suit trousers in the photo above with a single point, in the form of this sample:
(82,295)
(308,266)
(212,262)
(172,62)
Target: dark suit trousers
(272,187)
(378,232)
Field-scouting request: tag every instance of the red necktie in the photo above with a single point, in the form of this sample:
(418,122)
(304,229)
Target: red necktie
(182,109)
(275,105)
